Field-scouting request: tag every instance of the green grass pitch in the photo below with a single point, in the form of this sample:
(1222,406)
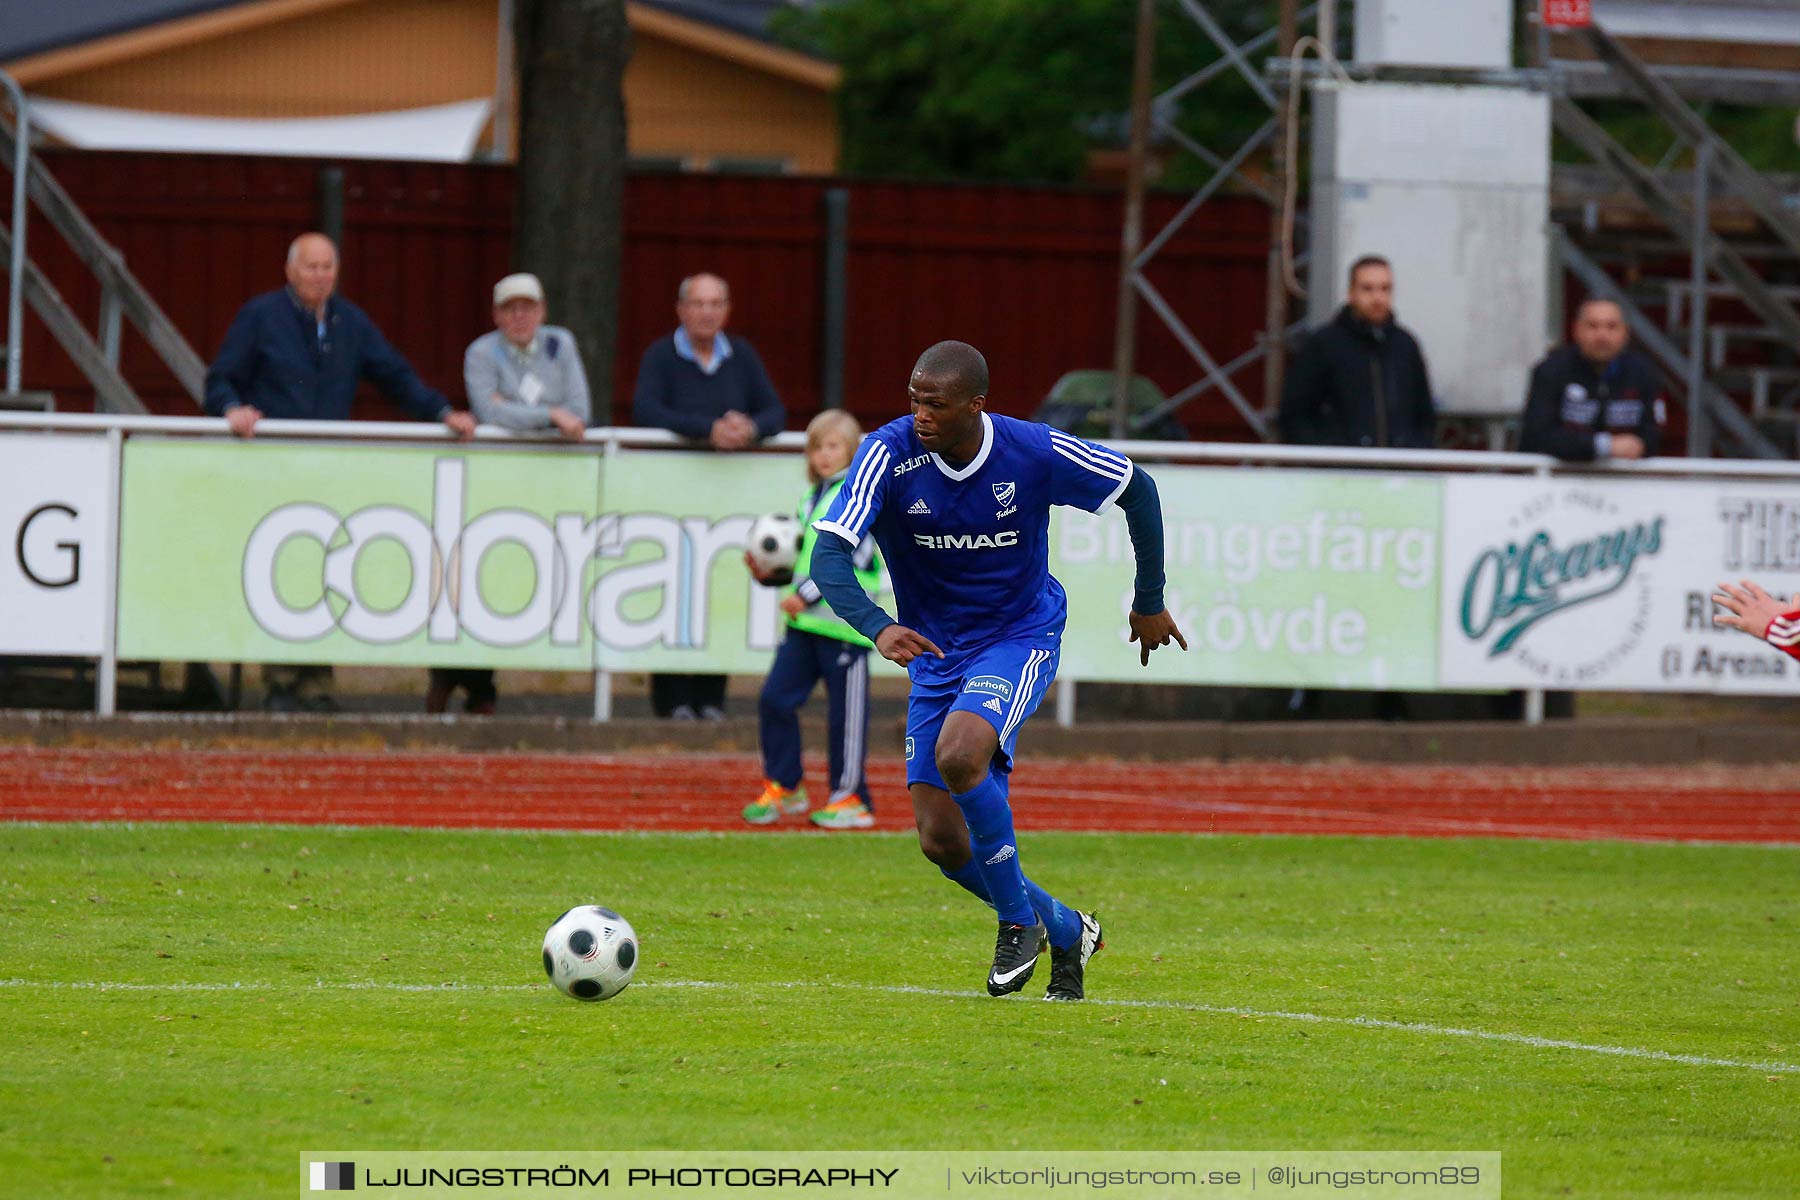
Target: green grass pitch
(773,1008)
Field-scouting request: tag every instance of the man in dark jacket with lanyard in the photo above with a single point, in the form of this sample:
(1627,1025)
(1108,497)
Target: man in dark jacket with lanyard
(298,354)
(1597,399)
(1360,380)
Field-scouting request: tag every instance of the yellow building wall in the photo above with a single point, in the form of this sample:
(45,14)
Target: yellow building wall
(394,54)
(679,102)
(369,57)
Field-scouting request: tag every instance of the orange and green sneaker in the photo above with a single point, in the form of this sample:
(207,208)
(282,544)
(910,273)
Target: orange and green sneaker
(848,813)
(774,801)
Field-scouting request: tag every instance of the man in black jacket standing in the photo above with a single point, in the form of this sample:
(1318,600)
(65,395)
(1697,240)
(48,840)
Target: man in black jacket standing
(1597,399)
(1360,380)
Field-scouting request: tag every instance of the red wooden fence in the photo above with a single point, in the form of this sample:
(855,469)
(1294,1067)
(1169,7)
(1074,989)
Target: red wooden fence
(1027,274)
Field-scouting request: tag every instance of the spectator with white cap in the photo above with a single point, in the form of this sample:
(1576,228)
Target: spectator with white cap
(525,376)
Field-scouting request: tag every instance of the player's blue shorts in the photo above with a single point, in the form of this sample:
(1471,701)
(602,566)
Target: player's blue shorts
(1003,685)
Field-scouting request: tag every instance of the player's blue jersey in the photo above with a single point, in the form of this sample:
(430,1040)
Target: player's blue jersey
(969,549)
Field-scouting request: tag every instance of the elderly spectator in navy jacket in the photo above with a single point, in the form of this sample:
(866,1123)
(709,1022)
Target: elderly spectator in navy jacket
(298,354)
(703,385)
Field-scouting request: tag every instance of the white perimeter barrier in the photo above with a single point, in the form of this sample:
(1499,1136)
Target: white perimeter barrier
(166,539)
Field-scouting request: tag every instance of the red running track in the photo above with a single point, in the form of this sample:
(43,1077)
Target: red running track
(705,792)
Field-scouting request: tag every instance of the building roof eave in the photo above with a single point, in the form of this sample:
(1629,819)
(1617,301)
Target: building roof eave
(35,69)
(735,47)
(104,51)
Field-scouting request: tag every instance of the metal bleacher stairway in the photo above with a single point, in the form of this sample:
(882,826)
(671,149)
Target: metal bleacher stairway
(122,297)
(1707,261)
(1749,360)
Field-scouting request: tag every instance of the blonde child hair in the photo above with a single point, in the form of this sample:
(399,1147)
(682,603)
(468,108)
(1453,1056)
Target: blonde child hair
(831,421)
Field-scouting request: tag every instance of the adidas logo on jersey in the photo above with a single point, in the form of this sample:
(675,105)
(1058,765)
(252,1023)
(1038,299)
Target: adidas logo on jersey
(992,702)
(919,508)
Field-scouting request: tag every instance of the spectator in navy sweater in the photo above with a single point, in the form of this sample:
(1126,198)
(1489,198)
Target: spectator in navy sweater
(298,353)
(703,385)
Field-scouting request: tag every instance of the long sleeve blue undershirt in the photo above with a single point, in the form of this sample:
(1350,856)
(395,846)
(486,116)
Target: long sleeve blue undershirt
(834,573)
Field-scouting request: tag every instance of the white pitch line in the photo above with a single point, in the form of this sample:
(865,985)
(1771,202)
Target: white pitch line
(317,985)
(1224,1010)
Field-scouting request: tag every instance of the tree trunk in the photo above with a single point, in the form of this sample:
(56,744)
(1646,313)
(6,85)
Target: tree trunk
(571,57)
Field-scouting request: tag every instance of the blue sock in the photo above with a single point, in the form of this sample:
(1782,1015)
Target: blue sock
(990,823)
(968,877)
(1062,921)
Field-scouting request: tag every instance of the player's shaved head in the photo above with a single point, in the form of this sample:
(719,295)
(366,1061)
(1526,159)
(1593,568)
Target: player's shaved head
(948,390)
(958,366)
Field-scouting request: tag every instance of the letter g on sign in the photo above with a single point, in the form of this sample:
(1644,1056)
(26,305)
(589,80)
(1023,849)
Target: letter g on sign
(27,549)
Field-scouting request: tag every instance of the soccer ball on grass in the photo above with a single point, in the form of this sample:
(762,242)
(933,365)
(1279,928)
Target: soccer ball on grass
(590,953)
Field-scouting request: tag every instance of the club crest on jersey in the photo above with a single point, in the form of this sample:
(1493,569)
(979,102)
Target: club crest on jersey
(1004,493)
(992,684)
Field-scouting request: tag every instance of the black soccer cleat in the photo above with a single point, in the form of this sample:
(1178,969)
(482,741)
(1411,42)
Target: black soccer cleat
(1068,968)
(1015,955)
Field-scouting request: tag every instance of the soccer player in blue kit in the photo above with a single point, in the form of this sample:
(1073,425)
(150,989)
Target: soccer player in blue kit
(959,501)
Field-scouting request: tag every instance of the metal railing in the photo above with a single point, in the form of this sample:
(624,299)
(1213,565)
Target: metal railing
(599,439)
(15,273)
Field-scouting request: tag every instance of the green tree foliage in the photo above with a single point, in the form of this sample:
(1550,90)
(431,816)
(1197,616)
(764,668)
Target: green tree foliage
(1763,136)
(1015,90)
(1022,90)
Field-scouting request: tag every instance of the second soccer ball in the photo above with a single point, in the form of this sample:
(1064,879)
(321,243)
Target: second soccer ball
(775,548)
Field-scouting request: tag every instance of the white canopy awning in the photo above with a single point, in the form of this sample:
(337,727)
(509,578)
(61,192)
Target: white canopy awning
(442,133)
(1750,22)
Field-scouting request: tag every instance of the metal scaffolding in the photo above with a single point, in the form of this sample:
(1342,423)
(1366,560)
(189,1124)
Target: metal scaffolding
(1158,114)
(1715,268)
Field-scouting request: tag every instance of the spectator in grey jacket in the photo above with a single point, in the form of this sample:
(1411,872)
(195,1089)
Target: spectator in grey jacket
(524,376)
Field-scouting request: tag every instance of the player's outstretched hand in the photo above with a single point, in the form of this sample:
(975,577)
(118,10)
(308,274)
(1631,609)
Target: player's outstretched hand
(1154,632)
(1748,608)
(898,644)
